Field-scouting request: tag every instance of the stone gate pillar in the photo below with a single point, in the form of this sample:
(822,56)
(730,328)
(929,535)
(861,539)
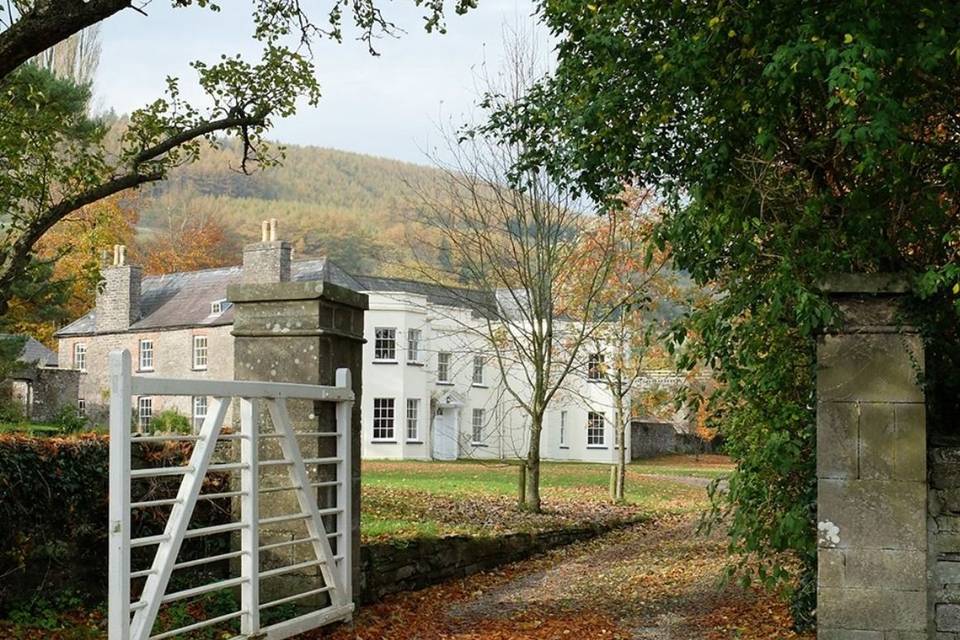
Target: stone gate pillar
(871,468)
(298,332)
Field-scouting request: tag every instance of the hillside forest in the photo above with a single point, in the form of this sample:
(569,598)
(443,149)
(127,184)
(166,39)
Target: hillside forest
(360,211)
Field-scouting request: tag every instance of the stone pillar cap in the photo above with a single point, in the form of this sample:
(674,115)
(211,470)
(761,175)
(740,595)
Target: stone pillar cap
(866,283)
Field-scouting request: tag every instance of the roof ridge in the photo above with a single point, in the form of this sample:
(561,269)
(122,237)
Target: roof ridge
(234,266)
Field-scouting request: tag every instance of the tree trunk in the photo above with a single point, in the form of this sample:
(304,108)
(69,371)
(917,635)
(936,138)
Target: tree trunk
(621,453)
(531,500)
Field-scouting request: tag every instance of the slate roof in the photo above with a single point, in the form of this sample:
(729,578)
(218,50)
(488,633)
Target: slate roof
(476,300)
(183,299)
(34,352)
(180,300)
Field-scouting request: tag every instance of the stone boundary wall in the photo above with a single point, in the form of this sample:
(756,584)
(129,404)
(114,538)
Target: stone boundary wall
(387,568)
(944,531)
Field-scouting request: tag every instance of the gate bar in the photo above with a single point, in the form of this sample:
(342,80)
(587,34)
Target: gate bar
(118,600)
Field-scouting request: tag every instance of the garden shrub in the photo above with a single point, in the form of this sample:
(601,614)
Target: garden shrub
(53,515)
(170,421)
(11,412)
(69,420)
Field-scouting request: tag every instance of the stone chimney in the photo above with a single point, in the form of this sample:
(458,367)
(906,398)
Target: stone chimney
(118,296)
(269,259)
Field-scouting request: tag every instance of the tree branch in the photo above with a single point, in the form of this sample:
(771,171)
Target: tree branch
(47,23)
(16,253)
(187,135)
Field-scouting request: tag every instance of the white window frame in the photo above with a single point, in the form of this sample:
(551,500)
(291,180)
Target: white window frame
(144,412)
(145,353)
(384,420)
(81,406)
(477,420)
(200,354)
(80,356)
(414,337)
(196,417)
(443,367)
(594,367)
(478,366)
(596,433)
(219,306)
(563,429)
(413,420)
(387,352)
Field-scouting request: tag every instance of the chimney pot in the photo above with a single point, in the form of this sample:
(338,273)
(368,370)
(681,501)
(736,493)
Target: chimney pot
(267,260)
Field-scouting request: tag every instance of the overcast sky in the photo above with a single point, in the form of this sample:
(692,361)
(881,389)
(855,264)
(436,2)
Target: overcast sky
(386,106)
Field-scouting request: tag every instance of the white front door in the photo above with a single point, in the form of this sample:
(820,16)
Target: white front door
(445,434)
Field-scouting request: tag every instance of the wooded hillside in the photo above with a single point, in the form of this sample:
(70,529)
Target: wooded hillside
(357,209)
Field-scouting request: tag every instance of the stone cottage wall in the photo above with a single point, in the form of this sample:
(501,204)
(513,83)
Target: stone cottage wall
(173,358)
(53,389)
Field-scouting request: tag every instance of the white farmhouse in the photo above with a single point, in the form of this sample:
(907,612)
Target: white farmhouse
(431,389)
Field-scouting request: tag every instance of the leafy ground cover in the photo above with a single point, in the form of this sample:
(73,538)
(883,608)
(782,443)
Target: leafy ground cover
(654,581)
(408,499)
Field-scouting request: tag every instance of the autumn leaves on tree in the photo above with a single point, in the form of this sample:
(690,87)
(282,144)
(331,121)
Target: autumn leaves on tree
(53,152)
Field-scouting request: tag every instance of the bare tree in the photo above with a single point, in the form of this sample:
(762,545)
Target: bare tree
(513,237)
(75,58)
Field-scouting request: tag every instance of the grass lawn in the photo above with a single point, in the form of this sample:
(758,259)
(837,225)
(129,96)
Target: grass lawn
(29,428)
(403,499)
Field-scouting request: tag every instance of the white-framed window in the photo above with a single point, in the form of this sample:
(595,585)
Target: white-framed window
(563,428)
(219,306)
(80,356)
(595,366)
(199,352)
(383,414)
(476,432)
(443,367)
(199,411)
(81,406)
(413,418)
(595,429)
(478,362)
(385,344)
(414,336)
(146,355)
(144,412)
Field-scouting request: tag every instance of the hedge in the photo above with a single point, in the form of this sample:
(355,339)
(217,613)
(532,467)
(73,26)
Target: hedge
(53,514)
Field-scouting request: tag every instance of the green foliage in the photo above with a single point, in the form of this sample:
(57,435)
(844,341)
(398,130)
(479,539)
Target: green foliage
(791,139)
(11,412)
(11,346)
(53,515)
(68,420)
(44,612)
(170,421)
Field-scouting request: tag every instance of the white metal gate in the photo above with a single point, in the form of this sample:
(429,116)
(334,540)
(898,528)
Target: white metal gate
(136,620)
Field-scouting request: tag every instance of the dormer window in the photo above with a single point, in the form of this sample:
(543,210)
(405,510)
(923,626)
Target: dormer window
(219,306)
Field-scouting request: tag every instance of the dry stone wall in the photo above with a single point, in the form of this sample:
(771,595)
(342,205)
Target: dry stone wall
(944,534)
(387,568)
